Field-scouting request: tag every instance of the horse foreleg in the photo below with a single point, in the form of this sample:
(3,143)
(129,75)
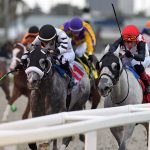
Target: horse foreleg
(6,90)
(16,94)
(95,98)
(8,107)
(27,110)
(55,145)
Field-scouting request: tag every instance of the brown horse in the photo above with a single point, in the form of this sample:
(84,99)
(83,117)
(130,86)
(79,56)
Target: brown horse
(5,82)
(20,81)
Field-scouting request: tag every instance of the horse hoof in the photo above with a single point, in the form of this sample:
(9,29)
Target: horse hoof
(24,117)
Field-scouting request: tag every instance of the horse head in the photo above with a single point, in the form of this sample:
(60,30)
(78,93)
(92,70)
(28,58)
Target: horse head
(16,55)
(110,69)
(37,67)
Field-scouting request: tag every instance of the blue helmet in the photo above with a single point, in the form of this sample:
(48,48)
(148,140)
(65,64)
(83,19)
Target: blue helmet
(76,24)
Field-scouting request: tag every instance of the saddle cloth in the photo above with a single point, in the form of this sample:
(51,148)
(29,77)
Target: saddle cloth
(76,69)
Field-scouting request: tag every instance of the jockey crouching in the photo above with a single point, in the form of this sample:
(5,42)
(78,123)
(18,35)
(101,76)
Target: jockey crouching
(136,53)
(54,40)
(83,39)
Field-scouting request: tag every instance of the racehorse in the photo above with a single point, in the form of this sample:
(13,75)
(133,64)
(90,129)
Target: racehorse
(20,82)
(5,82)
(94,95)
(49,90)
(117,84)
(5,52)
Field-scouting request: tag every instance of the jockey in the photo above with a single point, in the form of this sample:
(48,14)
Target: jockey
(136,52)
(56,41)
(30,36)
(83,38)
(146,33)
(25,44)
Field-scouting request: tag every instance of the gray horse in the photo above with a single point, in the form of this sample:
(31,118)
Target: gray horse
(49,90)
(117,85)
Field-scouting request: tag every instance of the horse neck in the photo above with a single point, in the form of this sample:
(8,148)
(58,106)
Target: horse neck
(119,91)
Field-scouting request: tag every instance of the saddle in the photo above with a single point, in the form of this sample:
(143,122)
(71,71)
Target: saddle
(76,70)
(146,97)
(90,68)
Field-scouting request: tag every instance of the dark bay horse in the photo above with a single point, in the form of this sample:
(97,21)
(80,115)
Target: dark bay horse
(5,82)
(20,82)
(49,90)
(5,54)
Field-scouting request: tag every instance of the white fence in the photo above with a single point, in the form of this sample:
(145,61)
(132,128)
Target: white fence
(70,123)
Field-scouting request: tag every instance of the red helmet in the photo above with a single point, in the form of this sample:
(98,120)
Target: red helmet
(130,33)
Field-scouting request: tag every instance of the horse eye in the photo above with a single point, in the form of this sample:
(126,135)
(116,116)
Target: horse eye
(114,66)
(42,63)
(28,62)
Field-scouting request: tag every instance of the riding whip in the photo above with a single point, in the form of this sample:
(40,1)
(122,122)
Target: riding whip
(6,74)
(118,24)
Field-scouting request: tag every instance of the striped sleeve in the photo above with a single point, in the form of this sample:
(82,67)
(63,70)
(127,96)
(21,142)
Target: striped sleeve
(63,41)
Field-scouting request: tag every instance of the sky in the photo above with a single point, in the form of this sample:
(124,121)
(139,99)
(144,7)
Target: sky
(47,4)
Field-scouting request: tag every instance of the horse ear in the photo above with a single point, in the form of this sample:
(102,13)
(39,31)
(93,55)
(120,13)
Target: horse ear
(107,49)
(117,51)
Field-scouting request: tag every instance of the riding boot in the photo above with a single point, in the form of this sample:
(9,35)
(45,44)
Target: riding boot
(69,73)
(146,80)
(85,61)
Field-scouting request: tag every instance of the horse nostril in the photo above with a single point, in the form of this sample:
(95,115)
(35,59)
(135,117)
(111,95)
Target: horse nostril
(34,81)
(106,88)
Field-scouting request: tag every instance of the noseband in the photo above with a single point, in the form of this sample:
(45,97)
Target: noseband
(106,62)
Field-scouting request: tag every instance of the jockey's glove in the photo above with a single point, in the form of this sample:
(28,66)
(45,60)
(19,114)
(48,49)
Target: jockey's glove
(19,66)
(57,51)
(54,52)
(129,54)
(90,58)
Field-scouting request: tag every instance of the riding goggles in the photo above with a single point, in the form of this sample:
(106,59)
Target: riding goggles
(129,38)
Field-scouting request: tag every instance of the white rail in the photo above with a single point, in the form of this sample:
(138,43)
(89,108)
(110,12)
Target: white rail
(70,123)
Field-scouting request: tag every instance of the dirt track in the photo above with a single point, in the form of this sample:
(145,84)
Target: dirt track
(105,139)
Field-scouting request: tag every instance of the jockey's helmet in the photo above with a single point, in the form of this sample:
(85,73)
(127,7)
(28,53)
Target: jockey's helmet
(130,33)
(33,29)
(47,33)
(30,35)
(147,24)
(76,24)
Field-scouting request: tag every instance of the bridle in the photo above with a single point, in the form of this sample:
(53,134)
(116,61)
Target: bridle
(116,78)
